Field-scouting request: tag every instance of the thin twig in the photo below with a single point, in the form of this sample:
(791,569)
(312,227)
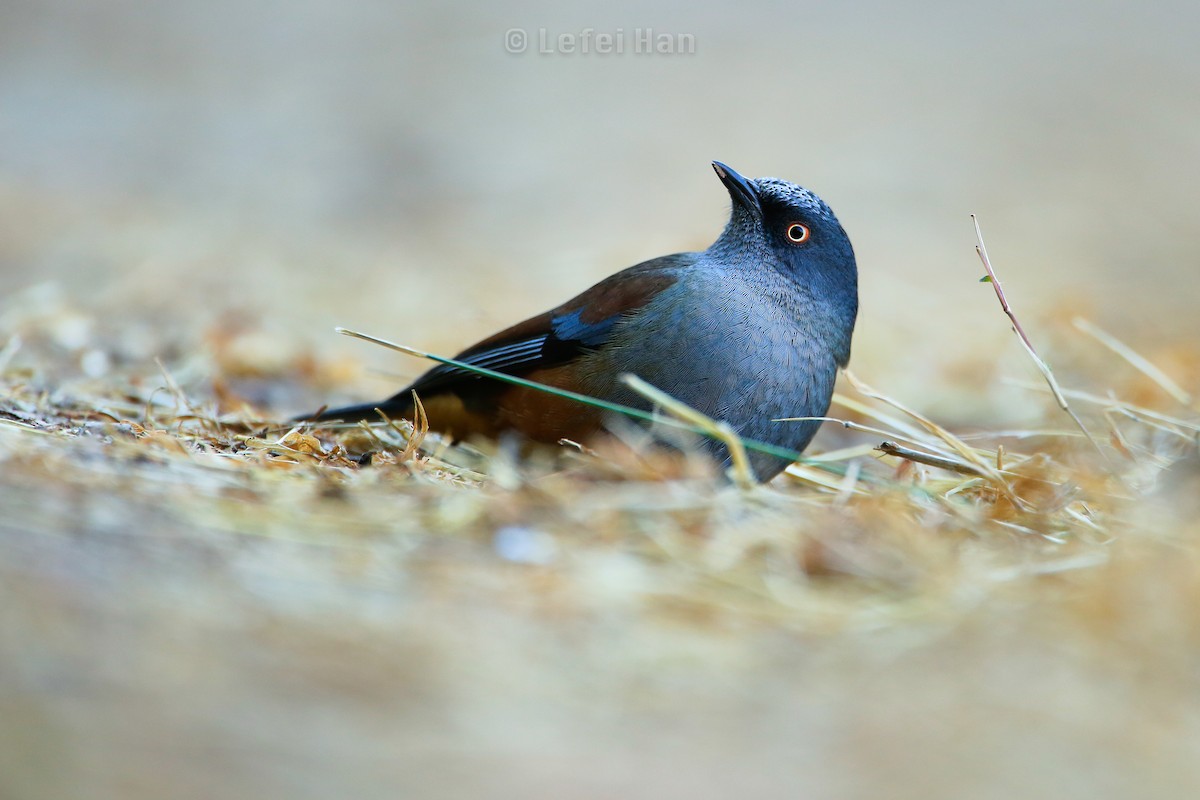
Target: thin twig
(962,468)
(968,454)
(860,428)
(1042,366)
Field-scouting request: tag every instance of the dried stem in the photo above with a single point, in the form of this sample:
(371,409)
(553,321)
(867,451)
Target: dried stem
(1042,366)
(893,449)
(741,471)
(1136,360)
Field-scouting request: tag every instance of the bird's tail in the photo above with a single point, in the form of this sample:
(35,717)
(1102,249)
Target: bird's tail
(394,407)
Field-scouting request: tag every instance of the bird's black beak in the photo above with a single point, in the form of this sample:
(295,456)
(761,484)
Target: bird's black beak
(740,189)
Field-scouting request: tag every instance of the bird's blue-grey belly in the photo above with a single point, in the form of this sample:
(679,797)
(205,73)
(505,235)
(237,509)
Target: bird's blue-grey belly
(744,361)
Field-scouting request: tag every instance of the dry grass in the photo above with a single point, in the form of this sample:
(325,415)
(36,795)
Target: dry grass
(197,603)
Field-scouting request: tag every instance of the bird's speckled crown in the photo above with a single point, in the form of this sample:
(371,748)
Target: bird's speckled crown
(788,193)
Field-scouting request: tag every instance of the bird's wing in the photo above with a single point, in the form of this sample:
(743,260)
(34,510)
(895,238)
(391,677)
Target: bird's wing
(562,334)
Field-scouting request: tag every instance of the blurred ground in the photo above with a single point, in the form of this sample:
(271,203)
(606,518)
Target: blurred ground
(219,185)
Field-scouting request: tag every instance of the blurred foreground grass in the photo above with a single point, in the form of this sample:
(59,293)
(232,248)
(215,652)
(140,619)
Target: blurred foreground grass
(198,604)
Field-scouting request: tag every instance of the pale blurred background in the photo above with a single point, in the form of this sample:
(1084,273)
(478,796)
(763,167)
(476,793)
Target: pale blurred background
(392,168)
(294,166)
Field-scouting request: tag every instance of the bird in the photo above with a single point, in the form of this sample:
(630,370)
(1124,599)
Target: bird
(750,332)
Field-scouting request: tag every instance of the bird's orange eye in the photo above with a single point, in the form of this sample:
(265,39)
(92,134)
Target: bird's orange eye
(798,233)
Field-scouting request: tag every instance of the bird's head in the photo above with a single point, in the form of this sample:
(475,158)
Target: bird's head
(788,228)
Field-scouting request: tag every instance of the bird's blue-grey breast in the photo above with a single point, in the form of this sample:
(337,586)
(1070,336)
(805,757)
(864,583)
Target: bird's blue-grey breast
(754,328)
